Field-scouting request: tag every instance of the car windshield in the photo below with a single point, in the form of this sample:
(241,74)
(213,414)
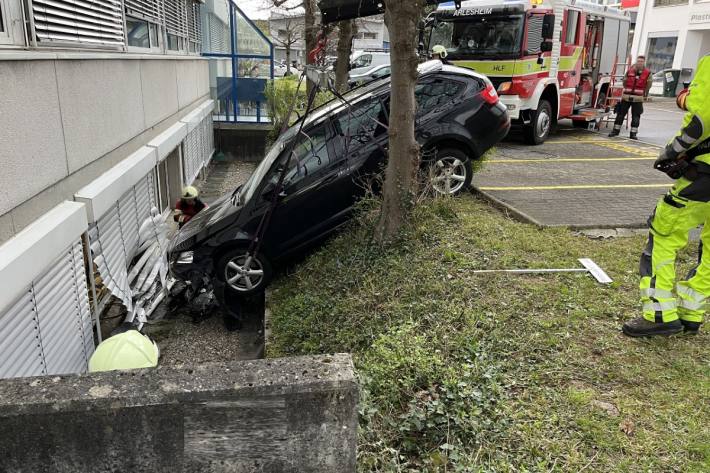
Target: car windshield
(249,187)
(479,37)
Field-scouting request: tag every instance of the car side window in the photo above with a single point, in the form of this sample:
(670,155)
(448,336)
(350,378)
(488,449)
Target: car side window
(435,93)
(363,61)
(364,120)
(385,71)
(310,156)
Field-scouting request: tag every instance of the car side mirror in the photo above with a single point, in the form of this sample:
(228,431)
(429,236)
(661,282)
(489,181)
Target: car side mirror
(548,26)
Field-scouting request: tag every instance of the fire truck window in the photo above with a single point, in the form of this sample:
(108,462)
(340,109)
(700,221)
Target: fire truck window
(572,26)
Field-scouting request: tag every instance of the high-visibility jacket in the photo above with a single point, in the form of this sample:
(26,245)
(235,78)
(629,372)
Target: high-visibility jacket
(636,83)
(695,130)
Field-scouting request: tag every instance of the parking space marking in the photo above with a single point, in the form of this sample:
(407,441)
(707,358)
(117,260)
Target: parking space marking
(574,187)
(565,160)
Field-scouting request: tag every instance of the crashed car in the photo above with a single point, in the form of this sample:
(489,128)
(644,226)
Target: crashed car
(342,146)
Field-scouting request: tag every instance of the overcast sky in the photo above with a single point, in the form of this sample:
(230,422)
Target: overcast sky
(259,9)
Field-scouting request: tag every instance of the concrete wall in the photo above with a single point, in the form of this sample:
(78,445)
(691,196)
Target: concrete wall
(286,415)
(673,21)
(66,118)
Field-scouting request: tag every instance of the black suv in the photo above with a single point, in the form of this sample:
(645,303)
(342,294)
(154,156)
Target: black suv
(342,146)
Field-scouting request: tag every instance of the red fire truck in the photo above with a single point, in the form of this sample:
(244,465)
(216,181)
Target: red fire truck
(549,59)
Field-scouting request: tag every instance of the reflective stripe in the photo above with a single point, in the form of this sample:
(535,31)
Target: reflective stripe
(689,291)
(657,293)
(678,146)
(686,138)
(617,127)
(634,129)
(691,305)
(659,306)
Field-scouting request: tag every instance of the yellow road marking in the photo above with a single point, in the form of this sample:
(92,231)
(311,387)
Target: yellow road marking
(565,160)
(583,141)
(591,186)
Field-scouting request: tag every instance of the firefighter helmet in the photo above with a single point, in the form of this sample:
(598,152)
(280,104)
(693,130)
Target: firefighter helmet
(190,192)
(440,50)
(125,351)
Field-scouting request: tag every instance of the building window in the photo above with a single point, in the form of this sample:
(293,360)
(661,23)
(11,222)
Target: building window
(138,33)
(369,35)
(154,42)
(668,3)
(661,52)
(175,43)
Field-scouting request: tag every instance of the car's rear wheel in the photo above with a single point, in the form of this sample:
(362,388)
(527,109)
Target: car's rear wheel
(537,131)
(451,172)
(243,273)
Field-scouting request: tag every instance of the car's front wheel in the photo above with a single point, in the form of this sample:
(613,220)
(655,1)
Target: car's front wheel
(244,273)
(451,172)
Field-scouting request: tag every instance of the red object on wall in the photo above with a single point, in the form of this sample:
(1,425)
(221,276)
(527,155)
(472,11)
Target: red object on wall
(629,3)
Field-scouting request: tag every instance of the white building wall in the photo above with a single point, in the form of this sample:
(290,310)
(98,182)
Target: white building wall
(689,23)
(67,117)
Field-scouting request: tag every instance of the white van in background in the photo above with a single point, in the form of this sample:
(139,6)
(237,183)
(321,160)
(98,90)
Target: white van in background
(364,61)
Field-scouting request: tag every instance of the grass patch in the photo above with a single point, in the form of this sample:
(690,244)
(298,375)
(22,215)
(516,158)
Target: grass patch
(465,372)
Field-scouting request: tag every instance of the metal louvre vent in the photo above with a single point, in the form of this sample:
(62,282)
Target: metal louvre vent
(208,139)
(218,31)
(49,329)
(192,158)
(114,238)
(176,17)
(194,23)
(147,9)
(98,22)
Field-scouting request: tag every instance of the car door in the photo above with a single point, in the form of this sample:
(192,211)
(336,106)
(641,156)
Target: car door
(312,192)
(363,140)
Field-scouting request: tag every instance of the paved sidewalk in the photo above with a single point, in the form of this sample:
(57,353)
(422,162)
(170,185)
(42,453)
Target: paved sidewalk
(577,179)
(659,123)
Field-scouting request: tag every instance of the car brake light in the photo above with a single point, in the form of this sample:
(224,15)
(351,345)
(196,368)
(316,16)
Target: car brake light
(490,95)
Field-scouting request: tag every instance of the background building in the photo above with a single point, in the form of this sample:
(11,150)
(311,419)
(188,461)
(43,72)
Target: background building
(673,34)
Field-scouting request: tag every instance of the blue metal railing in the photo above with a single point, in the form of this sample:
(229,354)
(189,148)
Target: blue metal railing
(231,91)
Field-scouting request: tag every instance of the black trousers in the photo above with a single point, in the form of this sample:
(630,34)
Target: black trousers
(636,111)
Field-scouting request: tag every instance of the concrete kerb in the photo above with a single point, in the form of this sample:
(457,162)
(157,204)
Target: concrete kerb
(282,415)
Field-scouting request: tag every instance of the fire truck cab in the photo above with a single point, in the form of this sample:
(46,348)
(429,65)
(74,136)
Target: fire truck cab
(549,59)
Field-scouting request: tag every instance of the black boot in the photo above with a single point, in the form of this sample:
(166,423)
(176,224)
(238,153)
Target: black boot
(690,327)
(614,133)
(640,327)
(633,136)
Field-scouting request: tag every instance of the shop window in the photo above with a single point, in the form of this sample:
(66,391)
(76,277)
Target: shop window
(661,52)
(668,3)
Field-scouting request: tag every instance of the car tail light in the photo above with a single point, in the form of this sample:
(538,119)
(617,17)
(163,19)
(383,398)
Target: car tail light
(505,87)
(490,95)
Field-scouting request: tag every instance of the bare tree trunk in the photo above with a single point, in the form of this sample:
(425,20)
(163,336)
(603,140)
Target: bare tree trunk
(288,59)
(310,32)
(346,33)
(402,20)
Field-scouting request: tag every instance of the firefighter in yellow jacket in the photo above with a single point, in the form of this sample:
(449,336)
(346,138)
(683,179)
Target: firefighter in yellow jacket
(685,158)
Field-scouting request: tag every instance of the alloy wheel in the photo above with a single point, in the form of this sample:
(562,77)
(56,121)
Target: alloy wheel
(448,175)
(244,273)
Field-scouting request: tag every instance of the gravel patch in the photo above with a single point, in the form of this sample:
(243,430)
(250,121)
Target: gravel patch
(181,341)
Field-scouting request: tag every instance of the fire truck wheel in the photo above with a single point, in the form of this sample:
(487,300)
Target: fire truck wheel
(539,128)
